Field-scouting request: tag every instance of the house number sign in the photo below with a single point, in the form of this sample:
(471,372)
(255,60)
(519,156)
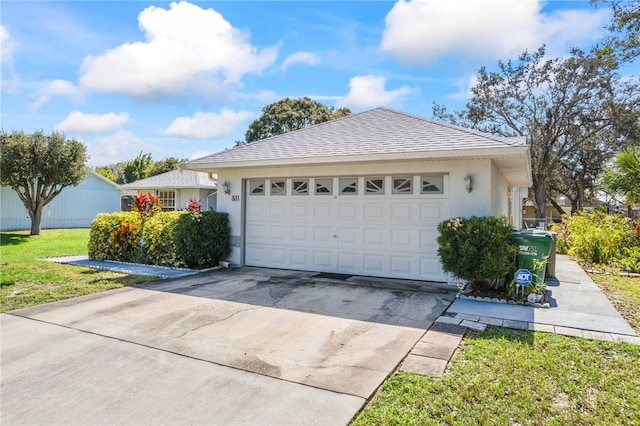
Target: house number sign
(235,198)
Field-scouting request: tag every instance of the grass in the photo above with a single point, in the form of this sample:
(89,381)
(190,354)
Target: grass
(26,280)
(503,376)
(624,294)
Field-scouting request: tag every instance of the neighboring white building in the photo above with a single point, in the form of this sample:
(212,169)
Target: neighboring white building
(364,194)
(74,207)
(176,187)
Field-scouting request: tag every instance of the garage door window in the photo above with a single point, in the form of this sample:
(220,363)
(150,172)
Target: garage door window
(403,185)
(300,187)
(432,184)
(374,186)
(256,187)
(349,186)
(278,187)
(324,186)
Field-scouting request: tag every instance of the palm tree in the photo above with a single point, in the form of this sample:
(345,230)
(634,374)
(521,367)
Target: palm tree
(624,176)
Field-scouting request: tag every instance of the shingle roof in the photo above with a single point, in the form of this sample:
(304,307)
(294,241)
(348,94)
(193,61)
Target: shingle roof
(173,180)
(378,131)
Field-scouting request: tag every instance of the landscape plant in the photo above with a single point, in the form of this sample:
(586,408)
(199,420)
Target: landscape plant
(477,249)
(598,238)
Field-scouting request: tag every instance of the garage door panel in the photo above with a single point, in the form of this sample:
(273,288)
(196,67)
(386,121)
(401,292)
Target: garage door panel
(278,211)
(301,258)
(373,264)
(349,237)
(374,237)
(257,232)
(349,261)
(300,234)
(323,260)
(428,240)
(300,210)
(348,211)
(402,265)
(403,212)
(322,235)
(403,239)
(323,212)
(430,266)
(374,212)
(278,234)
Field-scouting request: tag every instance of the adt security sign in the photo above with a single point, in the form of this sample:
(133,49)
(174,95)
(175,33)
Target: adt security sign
(523,277)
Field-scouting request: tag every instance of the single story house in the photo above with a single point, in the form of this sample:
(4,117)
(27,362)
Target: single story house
(364,194)
(174,189)
(74,207)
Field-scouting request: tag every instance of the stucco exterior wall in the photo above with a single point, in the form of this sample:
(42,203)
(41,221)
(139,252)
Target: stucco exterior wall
(75,207)
(461,203)
(499,193)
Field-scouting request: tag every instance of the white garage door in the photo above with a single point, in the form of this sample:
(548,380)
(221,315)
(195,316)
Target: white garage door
(377,226)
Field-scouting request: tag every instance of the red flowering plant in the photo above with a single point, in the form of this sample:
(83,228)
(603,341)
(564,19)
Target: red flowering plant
(146,205)
(194,207)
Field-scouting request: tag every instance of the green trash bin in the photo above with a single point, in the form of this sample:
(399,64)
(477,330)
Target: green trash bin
(533,252)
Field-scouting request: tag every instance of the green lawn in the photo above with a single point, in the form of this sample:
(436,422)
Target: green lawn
(25,280)
(505,377)
(624,293)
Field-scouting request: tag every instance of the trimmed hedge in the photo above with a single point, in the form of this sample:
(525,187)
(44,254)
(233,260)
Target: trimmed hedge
(102,229)
(177,239)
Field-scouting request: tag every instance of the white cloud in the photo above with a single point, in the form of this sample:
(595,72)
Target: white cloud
(53,88)
(368,91)
(117,147)
(10,79)
(424,31)
(207,125)
(79,122)
(264,97)
(307,58)
(187,48)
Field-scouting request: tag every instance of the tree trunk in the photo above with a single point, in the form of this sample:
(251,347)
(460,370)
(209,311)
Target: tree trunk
(540,198)
(36,220)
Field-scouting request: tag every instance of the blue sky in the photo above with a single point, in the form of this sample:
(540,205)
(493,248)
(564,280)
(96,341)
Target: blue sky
(185,79)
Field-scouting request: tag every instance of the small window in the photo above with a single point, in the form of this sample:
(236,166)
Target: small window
(374,185)
(349,186)
(324,186)
(256,187)
(167,200)
(432,184)
(403,185)
(300,187)
(278,187)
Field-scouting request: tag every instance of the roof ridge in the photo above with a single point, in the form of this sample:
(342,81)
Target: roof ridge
(501,139)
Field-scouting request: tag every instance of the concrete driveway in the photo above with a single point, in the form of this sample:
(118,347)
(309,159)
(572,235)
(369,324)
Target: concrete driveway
(245,346)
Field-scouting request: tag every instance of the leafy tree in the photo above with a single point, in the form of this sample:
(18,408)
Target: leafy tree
(623,43)
(138,168)
(624,176)
(38,167)
(108,173)
(291,114)
(163,166)
(569,109)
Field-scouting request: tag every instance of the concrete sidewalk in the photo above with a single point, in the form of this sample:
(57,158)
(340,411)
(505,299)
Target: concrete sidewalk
(125,268)
(578,308)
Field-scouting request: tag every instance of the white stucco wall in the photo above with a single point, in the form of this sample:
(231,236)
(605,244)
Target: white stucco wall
(477,202)
(75,207)
(499,193)
(184,194)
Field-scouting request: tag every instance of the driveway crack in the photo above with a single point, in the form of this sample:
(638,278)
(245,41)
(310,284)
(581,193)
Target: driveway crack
(198,327)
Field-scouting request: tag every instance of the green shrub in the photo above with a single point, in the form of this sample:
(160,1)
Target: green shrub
(562,236)
(477,249)
(103,228)
(193,239)
(159,239)
(203,238)
(599,238)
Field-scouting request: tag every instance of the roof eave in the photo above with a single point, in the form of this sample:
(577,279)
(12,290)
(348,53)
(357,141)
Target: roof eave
(455,154)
